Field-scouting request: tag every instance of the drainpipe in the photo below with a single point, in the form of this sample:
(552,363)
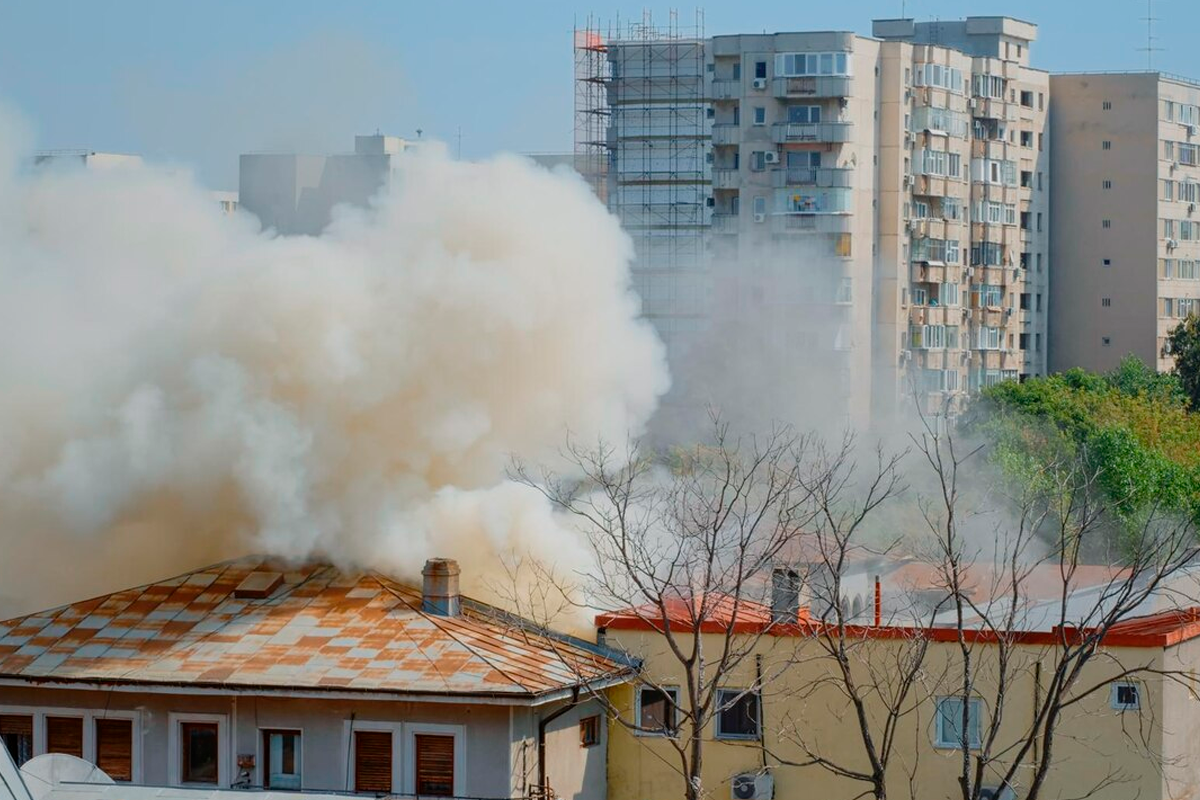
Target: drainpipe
(541,736)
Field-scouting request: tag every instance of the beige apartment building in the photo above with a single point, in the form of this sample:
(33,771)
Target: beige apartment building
(1126,244)
(847,217)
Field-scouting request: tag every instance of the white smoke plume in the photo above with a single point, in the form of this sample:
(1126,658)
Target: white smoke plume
(177,387)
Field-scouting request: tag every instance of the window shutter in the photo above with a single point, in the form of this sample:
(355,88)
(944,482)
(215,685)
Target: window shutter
(373,762)
(64,735)
(435,765)
(14,725)
(114,748)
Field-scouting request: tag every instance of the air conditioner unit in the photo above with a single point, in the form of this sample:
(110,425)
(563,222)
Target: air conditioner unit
(907,180)
(967,313)
(752,786)
(760,217)
(973,103)
(906,355)
(970,273)
(1172,244)
(1191,130)
(1174,166)
(1191,208)
(759,83)
(996,793)
(771,157)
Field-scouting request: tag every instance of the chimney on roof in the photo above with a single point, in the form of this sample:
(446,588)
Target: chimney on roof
(439,595)
(785,595)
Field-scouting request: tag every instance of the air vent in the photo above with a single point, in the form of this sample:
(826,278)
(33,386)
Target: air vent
(258,585)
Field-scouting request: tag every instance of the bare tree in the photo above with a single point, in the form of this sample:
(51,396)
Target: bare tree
(687,542)
(1055,640)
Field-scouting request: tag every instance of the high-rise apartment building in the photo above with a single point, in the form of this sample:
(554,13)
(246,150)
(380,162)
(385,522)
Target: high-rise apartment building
(861,215)
(1126,242)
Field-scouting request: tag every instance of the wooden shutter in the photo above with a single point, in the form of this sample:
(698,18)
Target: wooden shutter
(16,725)
(114,748)
(435,765)
(373,762)
(64,735)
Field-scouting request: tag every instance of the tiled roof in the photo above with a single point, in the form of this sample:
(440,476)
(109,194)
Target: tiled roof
(319,629)
(714,616)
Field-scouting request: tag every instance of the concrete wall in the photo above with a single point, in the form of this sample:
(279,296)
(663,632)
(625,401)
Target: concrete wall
(1080,124)
(296,194)
(1119,751)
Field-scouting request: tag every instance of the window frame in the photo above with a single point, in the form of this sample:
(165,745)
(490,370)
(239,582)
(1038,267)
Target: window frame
(350,727)
(1117,686)
(89,716)
(262,756)
(589,724)
(175,722)
(719,734)
(409,754)
(975,714)
(673,692)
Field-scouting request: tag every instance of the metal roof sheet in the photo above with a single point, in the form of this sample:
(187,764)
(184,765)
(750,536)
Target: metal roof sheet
(320,629)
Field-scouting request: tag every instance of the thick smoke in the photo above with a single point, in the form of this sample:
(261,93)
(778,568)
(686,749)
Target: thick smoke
(179,388)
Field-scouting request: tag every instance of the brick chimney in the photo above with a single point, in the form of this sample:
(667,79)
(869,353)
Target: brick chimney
(439,595)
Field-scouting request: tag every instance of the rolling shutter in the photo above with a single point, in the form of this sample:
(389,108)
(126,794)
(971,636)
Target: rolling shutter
(435,765)
(16,733)
(64,735)
(114,748)
(373,762)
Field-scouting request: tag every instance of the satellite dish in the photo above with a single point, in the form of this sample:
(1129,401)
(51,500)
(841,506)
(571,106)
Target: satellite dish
(44,773)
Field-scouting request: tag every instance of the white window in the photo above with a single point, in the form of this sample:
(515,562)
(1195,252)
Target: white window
(939,162)
(804,114)
(949,724)
(919,296)
(921,209)
(656,710)
(737,714)
(198,747)
(760,115)
(988,86)
(940,77)
(794,65)
(760,205)
(951,208)
(1126,696)
(987,338)
(949,294)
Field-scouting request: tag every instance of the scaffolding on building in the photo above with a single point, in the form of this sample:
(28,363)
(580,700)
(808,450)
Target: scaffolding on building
(643,139)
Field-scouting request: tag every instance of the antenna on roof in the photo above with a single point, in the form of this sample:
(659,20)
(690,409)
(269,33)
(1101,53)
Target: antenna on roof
(1150,49)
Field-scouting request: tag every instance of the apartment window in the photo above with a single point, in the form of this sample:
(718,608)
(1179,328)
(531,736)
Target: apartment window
(1041,101)
(1039,221)
(1027,99)
(1166,267)
(1024,220)
(16,732)
(919,296)
(1106,105)
(1187,154)
(1106,145)
(737,70)
(950,714)
(738,714)
(1037,343)
(1189,270)
(760,69)
(1039,181)
(1107,184)
(1168,228)
(1108,262)
(1106,302)
(949,294)
(987,338)
(758,160)
(373,762)
(434,765)
(1026,179)
(737,115)
(760,115)
(987,254)
(939,162)
(199,752)
(1023,341)
(760,205)
(1041,141)
(589,731)
(281,759)
(1125,696)
(792,65)
(1105,341)
(1106,223)
(65,735)
(1038,302)
(1026,138)
(988,86)
(804,114)
(656,710)
(921,209)
(939,77)
(114,748)
(1024,301)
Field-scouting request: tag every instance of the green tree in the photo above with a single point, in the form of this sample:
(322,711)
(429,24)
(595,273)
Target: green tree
(1184,342)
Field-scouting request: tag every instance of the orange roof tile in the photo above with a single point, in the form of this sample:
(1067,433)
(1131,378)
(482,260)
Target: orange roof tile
(320,628)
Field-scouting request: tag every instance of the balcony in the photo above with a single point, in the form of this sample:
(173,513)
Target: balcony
(725,178)
(813,86)
(821,177)
(724,223)
(785,132)
(726,90)
(724,133)
(811,223)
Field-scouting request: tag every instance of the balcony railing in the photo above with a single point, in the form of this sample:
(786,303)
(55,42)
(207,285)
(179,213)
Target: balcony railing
(724,178)
(724,223)
(822,177)
(784,132)
(813,86)
(811,223)
(726,90)
(724,133)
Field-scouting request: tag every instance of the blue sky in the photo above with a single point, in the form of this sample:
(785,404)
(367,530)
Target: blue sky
(201,82)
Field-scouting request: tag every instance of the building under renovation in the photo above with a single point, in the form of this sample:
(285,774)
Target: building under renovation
(852,219)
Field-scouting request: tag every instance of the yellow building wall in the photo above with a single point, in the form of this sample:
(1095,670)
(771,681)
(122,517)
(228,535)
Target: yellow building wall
(1095,744)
